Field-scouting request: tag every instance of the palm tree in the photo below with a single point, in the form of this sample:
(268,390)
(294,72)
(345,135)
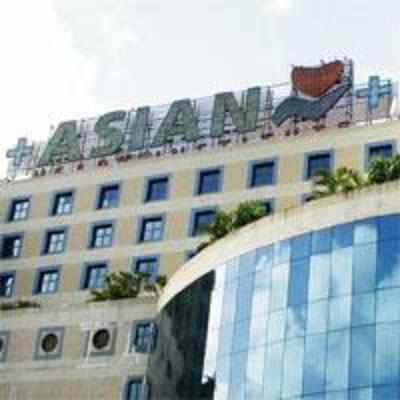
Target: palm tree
(381,170)
(343,180)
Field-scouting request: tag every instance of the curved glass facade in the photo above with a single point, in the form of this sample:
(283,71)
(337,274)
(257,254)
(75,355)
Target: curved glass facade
(313,317)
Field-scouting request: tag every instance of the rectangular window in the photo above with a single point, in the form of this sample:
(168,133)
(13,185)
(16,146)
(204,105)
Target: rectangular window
(137,390)
(108,197)
(19,210)
(317,163)
(151,229)
(47,281)
(102,236)
(55,241)
(147,265)
(7,281)
(380,150)
(12,246)
(209,181)
(157,189)
(62,204)
(201,220)
(262,174)
(144,336)
(94,276)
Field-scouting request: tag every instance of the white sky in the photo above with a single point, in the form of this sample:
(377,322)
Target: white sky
(69,59)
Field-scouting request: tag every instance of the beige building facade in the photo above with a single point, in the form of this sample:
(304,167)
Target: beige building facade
(63,232)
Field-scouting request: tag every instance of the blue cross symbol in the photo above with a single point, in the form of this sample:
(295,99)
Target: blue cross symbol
(375,91)
(21,151)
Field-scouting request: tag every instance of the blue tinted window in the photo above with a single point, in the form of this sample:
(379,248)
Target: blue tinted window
(296,321)
(225,340)
(321,241)
(209,181)
(247,263)
(342,236)
(380,150)
(341,272)
(361,394)
(273,370)
(258,330)
(339,312)
(301,246)
(261,292)
(241,336)
(386,392)
(108,197)
(262,174)
(388,305)
(314,364)
(232,270)
(365,231)
(201,220)
(223,375)
(298,282)
(293,368)
(255,374)
(363,309)
(276,328)
(337,367)
(157,189)
(317,318)
(387,353)
(238,376)
(362,356)
(264,257)
(279,287)
(229,304)
(281,251)
(244,297)
(318,286)
(317,163)
(364,268)
(388,264)
(388,227)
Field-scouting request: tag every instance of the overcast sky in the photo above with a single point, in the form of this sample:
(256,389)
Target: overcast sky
(69,59)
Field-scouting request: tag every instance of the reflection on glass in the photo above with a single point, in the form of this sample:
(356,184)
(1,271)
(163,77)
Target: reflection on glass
(229,304)
(364,268)
(244,297)
(362,356)
(387,354)
(255,373)
(317,318)
(314,364)
(276,326)
(247,263)
(342,236)
(238,376)
(318,286)
(363,309)
(280,275)
(388,264)
(296,321)
(273,370)
(298,282)
(337,366)
(365,231)
(341,272)
(321,241)
(339,313)
(293,368)
(301,246)
(388,305)
(388,227)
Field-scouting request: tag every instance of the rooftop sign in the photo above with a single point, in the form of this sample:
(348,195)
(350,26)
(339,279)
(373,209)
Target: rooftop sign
(316,98)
